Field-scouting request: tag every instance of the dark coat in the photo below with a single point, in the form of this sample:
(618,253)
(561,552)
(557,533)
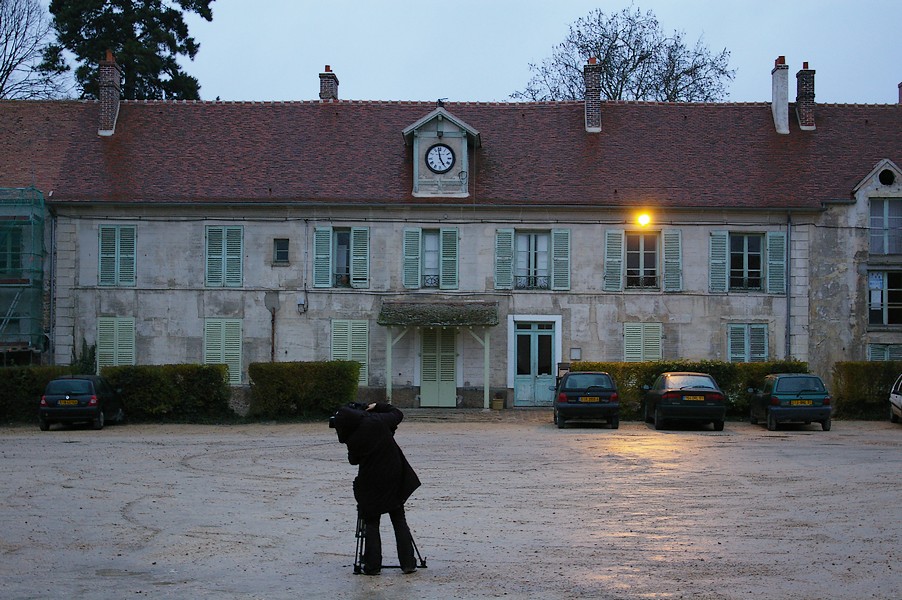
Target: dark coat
(385,480)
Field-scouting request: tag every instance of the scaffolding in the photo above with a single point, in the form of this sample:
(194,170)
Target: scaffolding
(21,272)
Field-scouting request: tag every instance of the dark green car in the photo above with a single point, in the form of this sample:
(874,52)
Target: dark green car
(791,398)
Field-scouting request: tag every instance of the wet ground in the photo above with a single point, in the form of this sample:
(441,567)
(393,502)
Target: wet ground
(511,507)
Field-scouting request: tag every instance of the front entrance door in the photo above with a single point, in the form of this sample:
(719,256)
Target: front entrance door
(438,382)
(535,359)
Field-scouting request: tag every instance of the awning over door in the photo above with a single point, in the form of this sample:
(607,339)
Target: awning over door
(438,314)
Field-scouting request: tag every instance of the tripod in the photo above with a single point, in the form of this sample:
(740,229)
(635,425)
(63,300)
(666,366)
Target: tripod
(360,534)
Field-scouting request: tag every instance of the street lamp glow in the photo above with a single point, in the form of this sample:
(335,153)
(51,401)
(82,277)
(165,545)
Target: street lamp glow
(644,219)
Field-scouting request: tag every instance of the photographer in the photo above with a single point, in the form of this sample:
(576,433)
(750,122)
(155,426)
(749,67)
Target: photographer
(385,480)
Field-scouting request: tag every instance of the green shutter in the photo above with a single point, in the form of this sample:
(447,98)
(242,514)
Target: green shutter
(613,260)
(758,342)
(632,342)
(322,257)
(410,270)
(652,334)
(360,257)
(107,268)
(341,340)
(115,341)
(504,259)
(448,243)
(127,256)
(877,352)
(222,345)
(776,262)
(560,259)
(717,258)
(350,341)
(233,257)
(737,348)
(215,249)
(673,260)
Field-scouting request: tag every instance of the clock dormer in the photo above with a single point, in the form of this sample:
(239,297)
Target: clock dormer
(441,158)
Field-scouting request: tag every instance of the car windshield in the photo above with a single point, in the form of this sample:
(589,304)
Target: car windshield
(791,385)
(69,386)
(680,382)
(581,381)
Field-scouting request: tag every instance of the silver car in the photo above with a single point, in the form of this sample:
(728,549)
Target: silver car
(895,401)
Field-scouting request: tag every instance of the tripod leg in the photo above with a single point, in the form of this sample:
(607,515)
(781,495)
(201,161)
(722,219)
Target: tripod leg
(360,534)
(417,550)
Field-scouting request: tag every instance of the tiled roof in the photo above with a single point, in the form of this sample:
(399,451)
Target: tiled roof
(532,154)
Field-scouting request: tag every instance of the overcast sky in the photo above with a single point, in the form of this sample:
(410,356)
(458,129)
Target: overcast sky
(480,50)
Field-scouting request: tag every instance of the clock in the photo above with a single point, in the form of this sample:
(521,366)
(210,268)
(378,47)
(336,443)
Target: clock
(440,158)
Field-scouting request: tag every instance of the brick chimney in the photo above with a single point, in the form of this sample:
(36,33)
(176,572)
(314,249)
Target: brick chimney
(592,77)
(328,85)
(805,98)
(779,104)
(109,79)
(900,93)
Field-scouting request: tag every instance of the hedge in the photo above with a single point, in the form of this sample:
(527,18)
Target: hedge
(290,390)
(22,390)
(861,389)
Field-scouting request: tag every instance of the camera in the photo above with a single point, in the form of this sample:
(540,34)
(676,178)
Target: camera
(354,405)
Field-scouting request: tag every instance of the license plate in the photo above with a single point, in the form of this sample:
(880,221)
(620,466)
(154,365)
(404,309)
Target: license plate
(589,399)
(68,402)
(800,402)
(694,398)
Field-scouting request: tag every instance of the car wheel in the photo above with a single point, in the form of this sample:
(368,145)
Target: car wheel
(771,421)
(98,422)
(120,417)
(825,425)
(554,417)
(659,419)
(752,418)
(560,422)
(892,415)
(44,424)
(615,422)
(718,425)
(648,418)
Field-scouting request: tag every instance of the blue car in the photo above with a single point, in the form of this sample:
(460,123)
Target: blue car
(791,398)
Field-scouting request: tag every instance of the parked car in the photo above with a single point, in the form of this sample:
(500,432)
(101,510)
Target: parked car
(586,395)
(685,396)
(895,401)
(80,398)
(791,398)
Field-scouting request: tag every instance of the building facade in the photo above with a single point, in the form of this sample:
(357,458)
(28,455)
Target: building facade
(461,251)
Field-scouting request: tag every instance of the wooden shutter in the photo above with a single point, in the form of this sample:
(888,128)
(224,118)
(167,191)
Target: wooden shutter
(560,259)
(757,342)
(222,345)
(350,341)
(360,257)
(107,267)
(673,260)
(632,342)
(115,341)
(127,256)
(410,269)
(776,262)
(652,334)
(717,259)
(737,348)
(234,256)
(613,260)
(215,250)
(642,341)
(322,257)
(504,259)
(448,244)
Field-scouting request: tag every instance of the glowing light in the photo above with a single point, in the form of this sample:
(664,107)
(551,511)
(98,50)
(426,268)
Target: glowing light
(644,219)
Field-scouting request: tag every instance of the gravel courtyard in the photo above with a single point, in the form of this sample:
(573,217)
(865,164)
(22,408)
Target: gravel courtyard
(510,507)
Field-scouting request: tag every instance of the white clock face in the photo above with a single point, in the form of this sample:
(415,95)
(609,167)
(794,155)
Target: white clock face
(440,158)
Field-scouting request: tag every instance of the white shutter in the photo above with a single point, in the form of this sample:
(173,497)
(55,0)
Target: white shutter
(717,258)
(613,260)
(673,260)
(560,259)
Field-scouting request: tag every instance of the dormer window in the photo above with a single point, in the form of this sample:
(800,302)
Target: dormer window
(441,144)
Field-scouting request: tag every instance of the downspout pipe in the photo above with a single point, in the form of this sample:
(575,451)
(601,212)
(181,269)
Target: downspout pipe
(788,352)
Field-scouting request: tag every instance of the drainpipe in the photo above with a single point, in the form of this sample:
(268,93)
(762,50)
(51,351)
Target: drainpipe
(788,285)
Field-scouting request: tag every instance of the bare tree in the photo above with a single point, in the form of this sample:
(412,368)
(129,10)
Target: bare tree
(24,34)
(638,62)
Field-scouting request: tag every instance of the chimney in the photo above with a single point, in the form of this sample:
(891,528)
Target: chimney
(900,93)
(805,98)
(592,77)
(328,85)
(779,104)
(109,79)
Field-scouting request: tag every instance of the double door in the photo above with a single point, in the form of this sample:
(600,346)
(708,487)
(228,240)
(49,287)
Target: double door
(534,356)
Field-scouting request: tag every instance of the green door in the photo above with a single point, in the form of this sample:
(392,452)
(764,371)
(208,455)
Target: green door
(534,356)
(438,383)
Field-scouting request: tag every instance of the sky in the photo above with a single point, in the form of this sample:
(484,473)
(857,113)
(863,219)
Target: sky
(480,50)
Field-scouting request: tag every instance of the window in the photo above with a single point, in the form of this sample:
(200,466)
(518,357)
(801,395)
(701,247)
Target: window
(747,262)
(222,345)
(532,260)
(117,255)
(430,258)
(642,341)
(341,257)
(225,256)
(884,352)
(885,297)
(11,252)
(115,341)
(886,226)
(280,251)
(643,254)
(350,341)
(747,342)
